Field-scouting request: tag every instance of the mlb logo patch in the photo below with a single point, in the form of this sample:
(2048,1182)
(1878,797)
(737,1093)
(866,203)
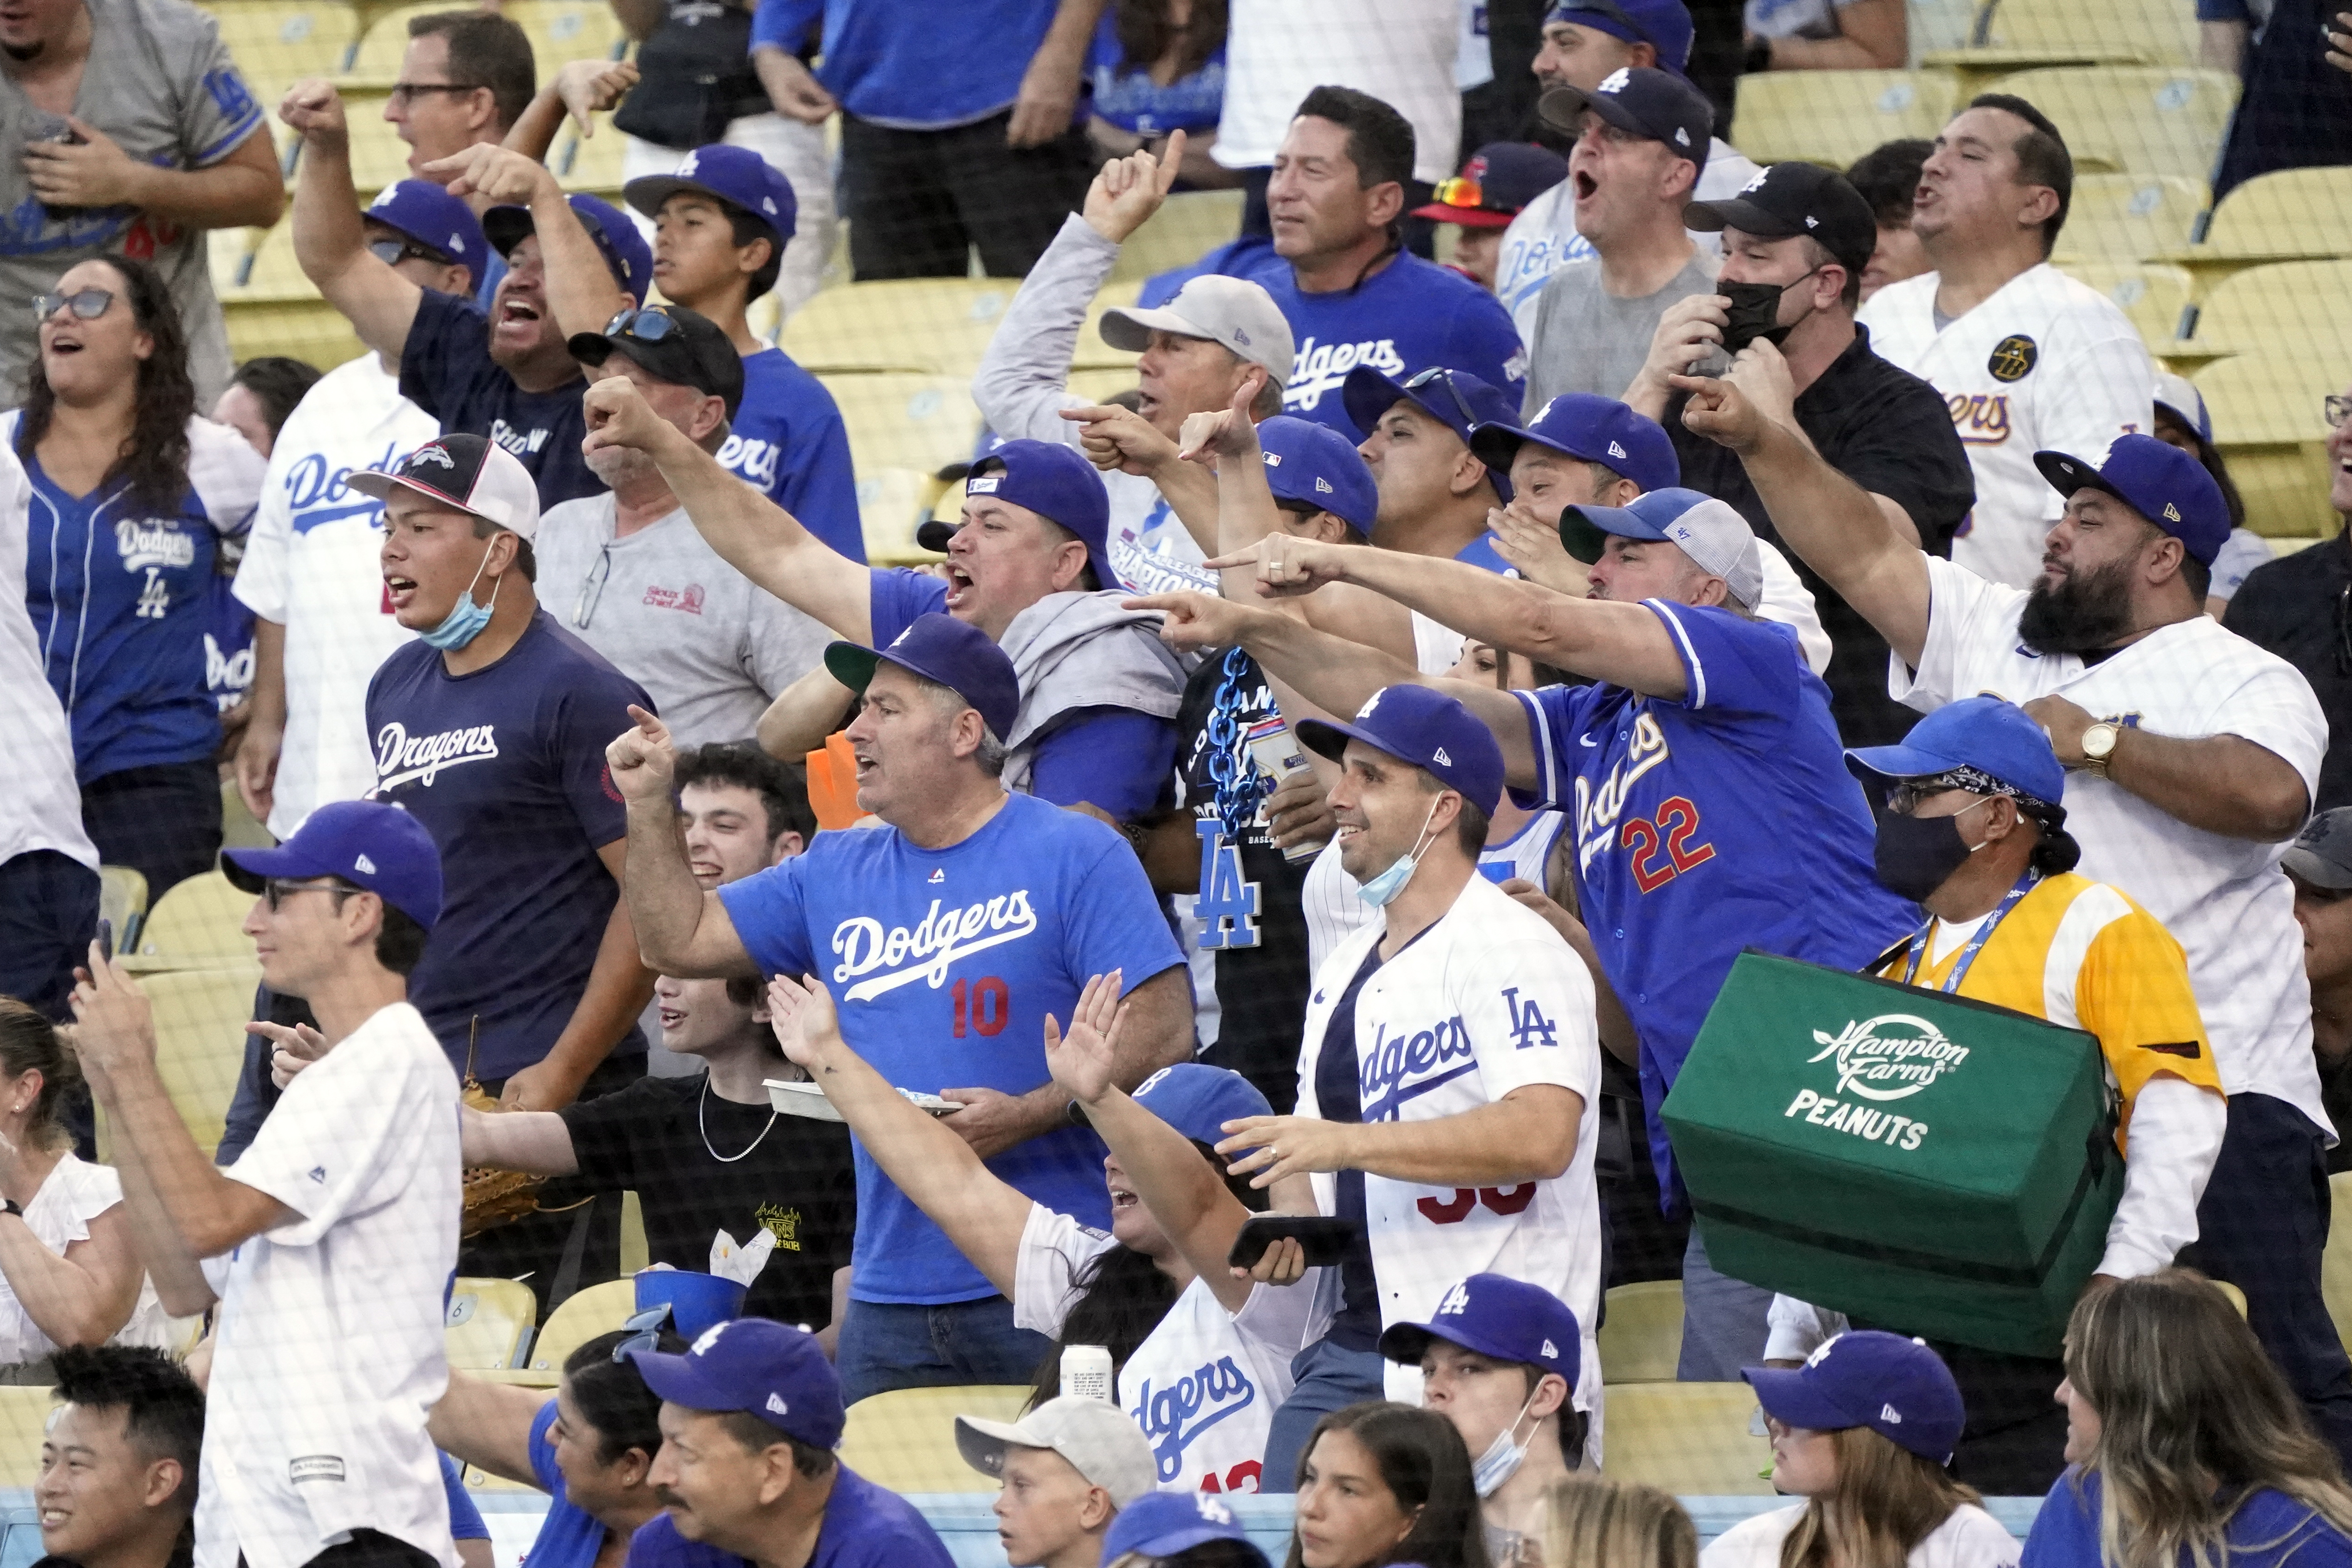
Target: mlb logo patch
(1272,460)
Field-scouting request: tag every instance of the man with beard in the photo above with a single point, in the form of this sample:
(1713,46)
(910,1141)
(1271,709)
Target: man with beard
(629,572)
(507,375)
(2191,756)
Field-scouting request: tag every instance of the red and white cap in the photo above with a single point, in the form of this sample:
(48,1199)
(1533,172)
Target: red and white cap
(470,473)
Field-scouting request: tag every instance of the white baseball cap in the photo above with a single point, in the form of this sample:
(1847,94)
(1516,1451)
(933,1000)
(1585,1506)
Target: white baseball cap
(1718,539)
(1096,1437)
(470,473)
(1233,311)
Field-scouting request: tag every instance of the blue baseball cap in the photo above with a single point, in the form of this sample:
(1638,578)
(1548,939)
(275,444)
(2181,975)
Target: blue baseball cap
(1718,539)
(1195,1099)
(1420,725)
(1050,479)
(1165,1524)
(1315,465)
(370,844)
(1658,104)
(1663,24)
(939,647)
(1455,398)
(1500,1317)
(768,1368)
(2157,479)
(1995,737)
(1896,1386)
(736,175)
(433,219)
(1587,425)
(624,247)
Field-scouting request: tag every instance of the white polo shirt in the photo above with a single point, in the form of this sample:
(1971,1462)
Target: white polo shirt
(2224,900)
(330,1351)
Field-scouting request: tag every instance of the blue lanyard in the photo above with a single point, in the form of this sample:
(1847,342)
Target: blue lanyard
(1951,985)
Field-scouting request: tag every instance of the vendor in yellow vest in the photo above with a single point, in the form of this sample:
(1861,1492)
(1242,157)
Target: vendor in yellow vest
(1972,831)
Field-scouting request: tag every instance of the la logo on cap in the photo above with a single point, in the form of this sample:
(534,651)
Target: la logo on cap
(685,169)
(1456,1302)
(1616,81)
(710,1338)
(1761,175)
(1210,1509)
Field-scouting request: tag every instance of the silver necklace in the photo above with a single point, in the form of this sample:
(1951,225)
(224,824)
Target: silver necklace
(701,1105)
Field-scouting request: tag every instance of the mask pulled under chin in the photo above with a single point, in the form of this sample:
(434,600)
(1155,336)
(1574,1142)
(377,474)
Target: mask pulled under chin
(466,618)
(1382,889)
(1503,1457)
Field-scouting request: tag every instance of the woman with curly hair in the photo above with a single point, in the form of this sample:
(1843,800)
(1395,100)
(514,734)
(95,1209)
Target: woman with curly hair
(132,491)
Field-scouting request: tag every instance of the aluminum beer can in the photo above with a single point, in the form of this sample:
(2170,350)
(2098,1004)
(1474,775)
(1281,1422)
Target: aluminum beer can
(1086,1372)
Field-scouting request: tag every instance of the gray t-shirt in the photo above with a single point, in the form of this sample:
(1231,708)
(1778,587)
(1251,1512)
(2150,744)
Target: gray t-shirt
(1586,341)
(709,646)
(160,82)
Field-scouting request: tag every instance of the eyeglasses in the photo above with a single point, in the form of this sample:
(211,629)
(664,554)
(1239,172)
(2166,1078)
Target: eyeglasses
(403,93)
(2336,410)
(277,891)
(89,304)
(591,588)
(644,1331)
(1461,190)
(649,324)
(392,252)
(1444,378)
(1905,798)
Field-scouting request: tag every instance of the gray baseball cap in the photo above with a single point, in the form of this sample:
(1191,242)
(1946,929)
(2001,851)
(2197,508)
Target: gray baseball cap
(1096,1437)
(1233,311)
(2321,854)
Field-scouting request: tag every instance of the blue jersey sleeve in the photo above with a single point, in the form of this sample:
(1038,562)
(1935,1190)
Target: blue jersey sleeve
(448,339)
(1114,919)
(1556,717)
(1115,758)
(542,1449)
(769,911)
(901,594)
(1732,665)
(464,1519)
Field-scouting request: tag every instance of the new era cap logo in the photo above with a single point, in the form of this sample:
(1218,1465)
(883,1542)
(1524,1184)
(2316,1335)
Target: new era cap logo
(1550,1351)
(362,864)
(1682,137)
(1813,222)
(776,1406)
(1439,755)
(457,245)
(1616,81)
(768,205)
(1322,486)
(2171,512)
(1616,450)
(1241,337)
(983,487)
(1887,1413)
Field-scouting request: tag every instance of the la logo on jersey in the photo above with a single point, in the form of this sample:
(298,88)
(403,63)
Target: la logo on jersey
(1174,1415)
(1529,1028)
(401,758)
(935,943)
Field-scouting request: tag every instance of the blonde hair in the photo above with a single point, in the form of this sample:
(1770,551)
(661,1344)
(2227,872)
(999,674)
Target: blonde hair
(2193,1420)
(1597,1521)
(1886,1500)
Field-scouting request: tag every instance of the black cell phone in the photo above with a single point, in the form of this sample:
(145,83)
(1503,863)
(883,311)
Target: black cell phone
(1326,1241)
(106,939)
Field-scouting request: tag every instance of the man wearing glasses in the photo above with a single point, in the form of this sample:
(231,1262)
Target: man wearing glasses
(330,1242)
(2300,608)
(2192,757)
(628,572)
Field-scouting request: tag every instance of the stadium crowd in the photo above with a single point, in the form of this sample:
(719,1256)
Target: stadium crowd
(1244,940)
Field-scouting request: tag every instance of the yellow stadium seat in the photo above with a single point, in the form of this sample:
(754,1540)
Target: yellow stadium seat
(565,30)
(481,1480)
(1188,226)
(195,925)
(2289,214)
(905,1440)
(123,902)
(488,1322)
(634,1256)
(375,63)
(891,504)
(1688,1439)
(310,330)
(1642,1332)
(200,1017)
(240,829)
(2335,1261)
(585,1313)
(1092,352)
(2152,294)
(1834,117)
(2018,34)
(942,325)
(2128,217)
(901,421)
(2294,309)
(2135,120)
(278,43)
(2268,424)
(24,1422)
(591,163)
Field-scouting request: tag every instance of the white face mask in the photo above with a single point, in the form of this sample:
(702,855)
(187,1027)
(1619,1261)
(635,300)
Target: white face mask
(1382,889)
(1503,1457)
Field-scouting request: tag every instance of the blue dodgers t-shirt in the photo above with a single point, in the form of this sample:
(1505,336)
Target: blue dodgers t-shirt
(1139,106)
(913,64)
(1696,820)
(1408,316)
(445,369)
(866,1526)
(2270,1530)
(505,768)
(789,443)
(944,964)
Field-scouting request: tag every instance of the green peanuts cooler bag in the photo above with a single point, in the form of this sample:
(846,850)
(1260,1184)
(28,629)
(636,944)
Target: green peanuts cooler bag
(1924,1163)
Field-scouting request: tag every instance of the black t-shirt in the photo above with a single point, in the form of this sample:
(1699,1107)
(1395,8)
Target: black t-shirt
(2294,607)
(1262,990)
(445,369)
(1340,1097)
(1891,433)
(797,1183)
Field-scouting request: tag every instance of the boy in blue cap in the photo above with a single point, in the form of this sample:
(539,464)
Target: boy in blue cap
(751,1416)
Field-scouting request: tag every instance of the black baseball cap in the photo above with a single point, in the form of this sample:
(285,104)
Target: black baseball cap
(1792,199)
(1643,100)
(669,341)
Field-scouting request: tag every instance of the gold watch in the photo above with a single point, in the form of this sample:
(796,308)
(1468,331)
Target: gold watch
(2099,747)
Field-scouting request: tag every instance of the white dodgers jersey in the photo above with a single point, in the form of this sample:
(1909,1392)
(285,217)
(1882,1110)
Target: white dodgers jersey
(2045,364)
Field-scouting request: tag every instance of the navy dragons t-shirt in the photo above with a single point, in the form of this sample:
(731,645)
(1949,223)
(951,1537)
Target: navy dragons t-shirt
(445,369)
(505,768)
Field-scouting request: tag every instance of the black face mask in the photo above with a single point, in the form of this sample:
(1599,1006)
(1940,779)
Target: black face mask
(1917,854)
(1754,307)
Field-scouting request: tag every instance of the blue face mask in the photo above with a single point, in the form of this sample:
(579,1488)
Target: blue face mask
(466,618)
(1382,889)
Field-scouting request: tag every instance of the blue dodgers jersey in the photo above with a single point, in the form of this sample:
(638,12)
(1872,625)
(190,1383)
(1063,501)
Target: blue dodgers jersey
(2268,1530)
(445,369)
(944,964)
(505,768)
(789,443)
(1724,821)
(120,599)
(1407,317)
